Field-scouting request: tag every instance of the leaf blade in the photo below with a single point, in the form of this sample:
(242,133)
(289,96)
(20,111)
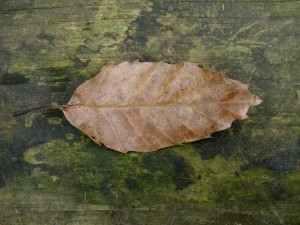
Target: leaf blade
(148,106)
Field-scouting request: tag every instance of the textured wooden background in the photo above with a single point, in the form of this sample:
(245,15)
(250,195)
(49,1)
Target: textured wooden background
(50,173)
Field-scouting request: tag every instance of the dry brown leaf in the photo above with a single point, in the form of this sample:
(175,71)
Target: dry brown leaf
(146,106)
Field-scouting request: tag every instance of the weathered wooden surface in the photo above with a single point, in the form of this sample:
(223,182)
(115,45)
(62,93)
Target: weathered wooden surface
(52,174)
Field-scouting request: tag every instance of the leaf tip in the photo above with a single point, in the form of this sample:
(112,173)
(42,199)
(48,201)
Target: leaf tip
(256,100)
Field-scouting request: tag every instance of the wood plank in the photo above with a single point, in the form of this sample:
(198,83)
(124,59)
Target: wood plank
(50,173)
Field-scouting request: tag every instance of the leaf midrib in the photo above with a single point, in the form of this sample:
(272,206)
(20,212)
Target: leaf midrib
(156,106)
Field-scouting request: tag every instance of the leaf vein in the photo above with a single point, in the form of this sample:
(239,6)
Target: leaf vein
(135,128)
(114,131)
(145,83)
(209,117)
(160,130)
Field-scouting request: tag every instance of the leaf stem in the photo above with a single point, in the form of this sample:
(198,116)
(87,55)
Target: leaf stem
(24,111)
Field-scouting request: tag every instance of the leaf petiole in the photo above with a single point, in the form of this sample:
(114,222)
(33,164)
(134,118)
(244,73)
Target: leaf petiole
(25,111)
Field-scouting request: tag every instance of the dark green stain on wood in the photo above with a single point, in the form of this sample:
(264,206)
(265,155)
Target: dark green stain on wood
(13,79)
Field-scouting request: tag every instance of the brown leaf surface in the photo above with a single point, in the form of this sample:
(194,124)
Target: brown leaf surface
(147,106)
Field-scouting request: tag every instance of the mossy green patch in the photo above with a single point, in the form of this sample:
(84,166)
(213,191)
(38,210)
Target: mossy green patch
(293,183)
(59,153)
(42,180)
(70,136)
(183,176)
(207,174)
(29,121)
(55,120)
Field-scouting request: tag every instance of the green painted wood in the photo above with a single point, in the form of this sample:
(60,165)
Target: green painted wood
(50,173)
